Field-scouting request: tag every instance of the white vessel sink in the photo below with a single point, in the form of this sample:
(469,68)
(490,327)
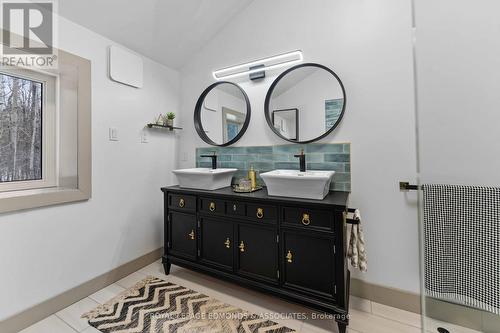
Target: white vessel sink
(204,178)
(296,184)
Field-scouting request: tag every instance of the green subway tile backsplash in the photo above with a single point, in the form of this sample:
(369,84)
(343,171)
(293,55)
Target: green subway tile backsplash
(274,157)
(337,167)
(324,148)
(293,149)
(260,150)
(319,156)
(337,157)
(246,158)
(237,165)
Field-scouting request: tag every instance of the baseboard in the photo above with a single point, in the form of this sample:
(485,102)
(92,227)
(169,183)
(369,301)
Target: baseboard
(435,309)
(396,298)
(41,311)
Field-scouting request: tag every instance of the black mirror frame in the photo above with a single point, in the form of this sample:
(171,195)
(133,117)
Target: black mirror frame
(276,81)
(197,115)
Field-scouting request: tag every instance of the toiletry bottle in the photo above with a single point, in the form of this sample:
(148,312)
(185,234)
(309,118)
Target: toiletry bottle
(253,178)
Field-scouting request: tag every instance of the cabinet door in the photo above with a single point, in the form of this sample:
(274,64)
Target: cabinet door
(217,242)
(183,235)
(257,250)
(309,263)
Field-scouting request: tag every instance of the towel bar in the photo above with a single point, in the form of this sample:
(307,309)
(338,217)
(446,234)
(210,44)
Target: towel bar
(405,186)
(349,220)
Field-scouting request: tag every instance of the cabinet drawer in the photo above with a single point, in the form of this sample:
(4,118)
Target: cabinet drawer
(182,202)
(264,213)
(308,218)
(212,206)
(235,208)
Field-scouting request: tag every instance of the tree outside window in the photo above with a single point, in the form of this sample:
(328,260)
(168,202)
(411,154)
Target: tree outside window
(20,129)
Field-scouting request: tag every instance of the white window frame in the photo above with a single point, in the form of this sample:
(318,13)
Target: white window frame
(71,67)
(50,112)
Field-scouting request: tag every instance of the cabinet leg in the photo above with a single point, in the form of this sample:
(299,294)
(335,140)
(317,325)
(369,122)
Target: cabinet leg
(342,327)
(166,267)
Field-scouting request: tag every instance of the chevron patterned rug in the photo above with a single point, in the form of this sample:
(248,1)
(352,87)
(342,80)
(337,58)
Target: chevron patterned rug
(157,306)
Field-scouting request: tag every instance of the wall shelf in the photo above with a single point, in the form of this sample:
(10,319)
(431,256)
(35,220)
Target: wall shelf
(163,126)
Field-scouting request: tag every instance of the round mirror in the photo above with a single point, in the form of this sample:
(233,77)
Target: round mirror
(305,103)
(222,114)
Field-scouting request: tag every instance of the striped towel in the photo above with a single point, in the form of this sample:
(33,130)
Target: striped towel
(462,245)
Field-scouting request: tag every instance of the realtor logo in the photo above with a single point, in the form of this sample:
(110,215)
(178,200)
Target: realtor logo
(28,33)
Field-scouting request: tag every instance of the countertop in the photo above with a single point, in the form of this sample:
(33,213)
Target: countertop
(334,198)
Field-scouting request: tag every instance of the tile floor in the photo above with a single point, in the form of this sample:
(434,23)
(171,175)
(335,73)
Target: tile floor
(366,316)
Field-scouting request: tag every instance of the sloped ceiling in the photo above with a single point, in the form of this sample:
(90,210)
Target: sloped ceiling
(168,31)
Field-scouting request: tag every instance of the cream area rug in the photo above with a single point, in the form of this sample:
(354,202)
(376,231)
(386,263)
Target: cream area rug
(157,306)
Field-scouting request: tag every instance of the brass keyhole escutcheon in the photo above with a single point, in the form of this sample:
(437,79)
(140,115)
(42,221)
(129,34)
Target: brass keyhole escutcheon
(212,206)
(181,203)
(289,256)
(242,246)
(260,213)
(191,235)
(227,243)
(306,220)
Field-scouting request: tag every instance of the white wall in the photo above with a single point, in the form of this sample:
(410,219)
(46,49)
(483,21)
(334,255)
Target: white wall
(368,44)
(458,53)
(44,252)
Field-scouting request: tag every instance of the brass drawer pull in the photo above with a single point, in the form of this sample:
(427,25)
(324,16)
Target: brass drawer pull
(212,206)
(306,220)
(260,213)
(182,203)
(289,257)
(191,235)
(227,243)
(242,247)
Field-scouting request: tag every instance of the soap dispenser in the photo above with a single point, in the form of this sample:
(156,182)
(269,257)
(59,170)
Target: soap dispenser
(253,178)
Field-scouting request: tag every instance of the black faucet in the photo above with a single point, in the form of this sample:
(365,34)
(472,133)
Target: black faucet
(214,160)
(302,160)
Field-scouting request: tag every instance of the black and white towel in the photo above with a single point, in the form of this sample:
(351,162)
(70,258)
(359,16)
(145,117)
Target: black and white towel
(462,245)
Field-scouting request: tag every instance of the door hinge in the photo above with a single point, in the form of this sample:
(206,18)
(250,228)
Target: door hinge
(334,249)
(168,244)
(199,253)
(198,223)
(278,273)
(277,238)
(168,217)
(335,289)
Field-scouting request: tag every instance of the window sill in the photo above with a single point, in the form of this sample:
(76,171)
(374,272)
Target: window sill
(26,199)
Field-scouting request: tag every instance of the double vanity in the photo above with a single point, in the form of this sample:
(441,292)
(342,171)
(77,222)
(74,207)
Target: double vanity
(289,238)
(293,248)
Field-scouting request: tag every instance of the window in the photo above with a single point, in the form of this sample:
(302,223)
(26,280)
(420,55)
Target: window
(45,129)
(27,130)
(232,122)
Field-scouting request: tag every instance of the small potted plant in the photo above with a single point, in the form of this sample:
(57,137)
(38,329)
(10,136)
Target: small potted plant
(170,119)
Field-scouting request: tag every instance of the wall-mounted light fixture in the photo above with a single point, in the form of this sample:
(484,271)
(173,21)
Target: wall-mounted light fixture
(258,66)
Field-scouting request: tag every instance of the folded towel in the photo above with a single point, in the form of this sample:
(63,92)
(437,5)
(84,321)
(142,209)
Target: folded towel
(356,252)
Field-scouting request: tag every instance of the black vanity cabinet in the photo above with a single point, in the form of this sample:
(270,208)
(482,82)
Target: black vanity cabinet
(291,248)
